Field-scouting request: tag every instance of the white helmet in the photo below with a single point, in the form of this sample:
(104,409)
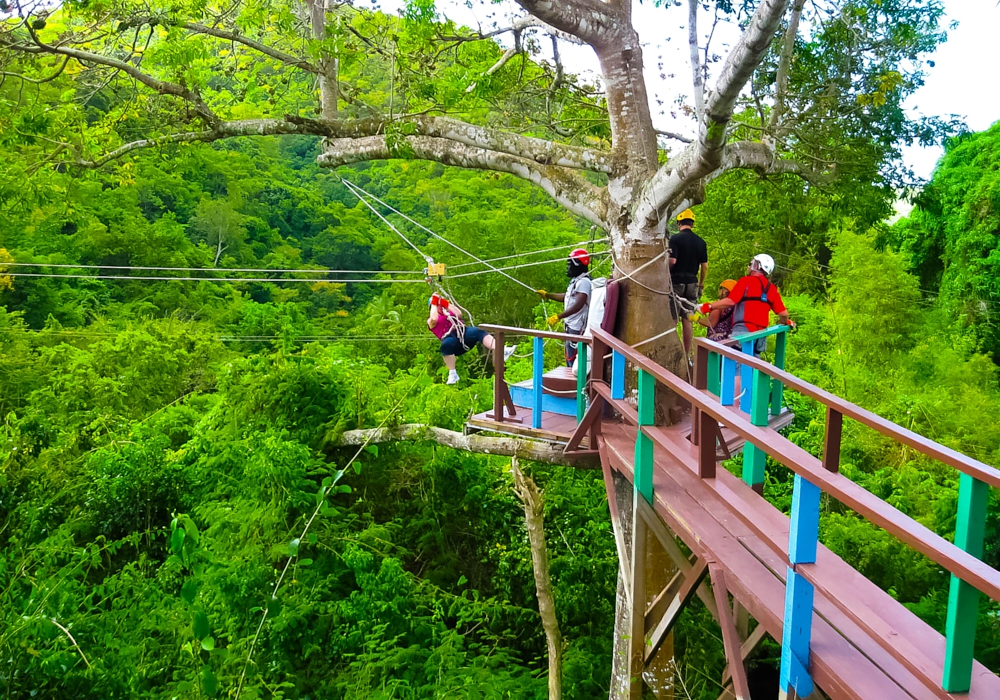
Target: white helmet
(764,262)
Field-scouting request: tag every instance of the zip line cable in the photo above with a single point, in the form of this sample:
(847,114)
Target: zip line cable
(232,338)
(351,187)
(530,253)
(324,271)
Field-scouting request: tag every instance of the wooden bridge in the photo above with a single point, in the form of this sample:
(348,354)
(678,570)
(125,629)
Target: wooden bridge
(681,522)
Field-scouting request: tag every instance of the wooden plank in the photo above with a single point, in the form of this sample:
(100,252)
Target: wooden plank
(728,395)
(803,527)
(551,335)
(746,379)
(730,638)
(963,599)
(932,449)
(689,584)
(581,381)
(617,375)
(708,428)
(777,388)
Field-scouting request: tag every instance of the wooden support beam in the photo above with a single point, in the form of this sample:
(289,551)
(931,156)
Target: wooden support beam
(685,591)
(746,649)
(673,551)
(662,600)
(498,382)
(730,637)
(708,428)
(593,414)
(637,628)
(616,523)
(581,380)
(617,376)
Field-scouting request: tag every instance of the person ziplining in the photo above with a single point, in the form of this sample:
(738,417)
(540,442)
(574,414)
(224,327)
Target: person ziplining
(576,300)
(445,322)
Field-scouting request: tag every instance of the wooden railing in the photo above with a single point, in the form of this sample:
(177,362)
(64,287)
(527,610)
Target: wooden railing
(501,394)
(812,477)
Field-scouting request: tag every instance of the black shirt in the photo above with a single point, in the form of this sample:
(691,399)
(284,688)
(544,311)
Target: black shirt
(690,251)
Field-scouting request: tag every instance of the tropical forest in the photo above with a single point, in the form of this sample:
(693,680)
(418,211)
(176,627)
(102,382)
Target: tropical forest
(232,461)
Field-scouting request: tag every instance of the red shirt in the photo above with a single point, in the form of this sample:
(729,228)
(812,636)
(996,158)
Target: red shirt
(751,311)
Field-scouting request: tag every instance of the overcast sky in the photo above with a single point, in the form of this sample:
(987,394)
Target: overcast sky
(963,81)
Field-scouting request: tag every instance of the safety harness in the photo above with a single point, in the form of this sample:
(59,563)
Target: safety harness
(762,297)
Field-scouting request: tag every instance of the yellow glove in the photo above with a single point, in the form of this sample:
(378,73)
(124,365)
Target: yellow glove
(553,319)
(542,293)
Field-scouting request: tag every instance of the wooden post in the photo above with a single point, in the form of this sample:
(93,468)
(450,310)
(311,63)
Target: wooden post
(617,376)
(537,374)
(780,341)
(803,536)
(754,459)
(963,599)
(701,367)
(581,380)
(746,379)
(498,382)
(643,444)
(831,439)
(707,429)
(637,631)
(728,395)
(715,373)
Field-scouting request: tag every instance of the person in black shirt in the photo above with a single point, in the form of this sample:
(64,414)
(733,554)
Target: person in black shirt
(688,269)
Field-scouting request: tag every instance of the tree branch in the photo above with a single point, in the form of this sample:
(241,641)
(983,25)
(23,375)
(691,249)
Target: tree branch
(679,176)
(274,53)
(697,74)
(761,158)
(505,446)
(591,21)
(568,188)
(785,64)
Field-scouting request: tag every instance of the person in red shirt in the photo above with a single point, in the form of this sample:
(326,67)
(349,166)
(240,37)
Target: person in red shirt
(754,298)
(445,322)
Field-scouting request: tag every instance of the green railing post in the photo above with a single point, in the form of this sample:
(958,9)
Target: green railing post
(779,361)
(643,445)
(715,373)
(963,598)
(581,380)
(753,457)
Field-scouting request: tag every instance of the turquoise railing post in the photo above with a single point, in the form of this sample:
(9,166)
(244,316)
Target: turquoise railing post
(537,376)
(746,378)
(714,373)
(643,444)
(963,598)
(728,395)
(617,376)
(754,459)
(803,536)
(780,341)
(581,380)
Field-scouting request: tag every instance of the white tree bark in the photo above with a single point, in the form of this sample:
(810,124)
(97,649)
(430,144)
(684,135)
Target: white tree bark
(533,450)
(534,519)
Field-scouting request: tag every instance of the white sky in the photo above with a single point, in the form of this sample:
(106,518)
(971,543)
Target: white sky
(963,81)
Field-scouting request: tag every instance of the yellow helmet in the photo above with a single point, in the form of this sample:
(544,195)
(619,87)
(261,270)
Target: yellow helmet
(686,214)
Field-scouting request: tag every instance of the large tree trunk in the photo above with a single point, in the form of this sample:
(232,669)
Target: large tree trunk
(534,512)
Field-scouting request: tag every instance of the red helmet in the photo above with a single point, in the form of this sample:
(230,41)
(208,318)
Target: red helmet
(581,256)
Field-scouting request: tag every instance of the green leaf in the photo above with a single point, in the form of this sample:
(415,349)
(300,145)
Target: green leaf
(462,580)
(273,607)
(373,449)
(208,643)
(201,626)
(293,548)
(312,538)
(209,683)
(177,540)
(189,591)
(305,562)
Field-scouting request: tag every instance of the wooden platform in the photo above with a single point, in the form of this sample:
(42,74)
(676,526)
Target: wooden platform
(723,519)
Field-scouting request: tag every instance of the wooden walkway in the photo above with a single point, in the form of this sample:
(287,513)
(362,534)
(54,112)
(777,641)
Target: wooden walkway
(839,632)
